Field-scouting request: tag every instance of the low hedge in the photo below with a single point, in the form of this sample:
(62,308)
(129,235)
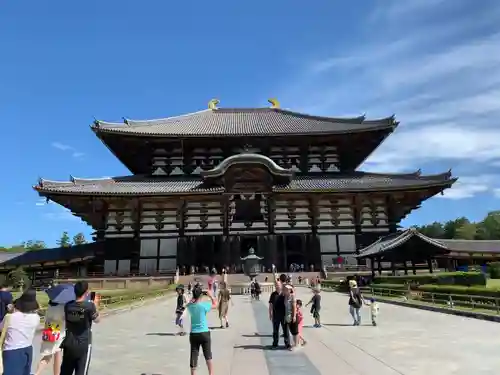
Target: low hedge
(442,278)
(109,299)
(494,270)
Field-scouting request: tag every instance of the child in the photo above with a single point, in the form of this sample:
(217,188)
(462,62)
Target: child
(374,311)
(315,303)
(300,322)
(190,286)
(180,308)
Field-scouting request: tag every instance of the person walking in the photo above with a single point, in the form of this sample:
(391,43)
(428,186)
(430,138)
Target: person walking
(200,333)
(180,308)
(79,316)
(291,314)
(277,316)
(223,304)
(315,303)
(55,327)
(18,332)
(356,301)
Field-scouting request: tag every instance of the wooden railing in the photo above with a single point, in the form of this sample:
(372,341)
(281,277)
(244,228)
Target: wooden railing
(448,300)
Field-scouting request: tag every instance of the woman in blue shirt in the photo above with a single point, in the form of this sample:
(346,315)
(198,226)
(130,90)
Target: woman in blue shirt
(200,333)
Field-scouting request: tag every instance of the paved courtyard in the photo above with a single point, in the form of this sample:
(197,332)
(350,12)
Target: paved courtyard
(407,341)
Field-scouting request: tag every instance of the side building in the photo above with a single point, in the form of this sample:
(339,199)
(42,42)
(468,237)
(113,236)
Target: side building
(207,186)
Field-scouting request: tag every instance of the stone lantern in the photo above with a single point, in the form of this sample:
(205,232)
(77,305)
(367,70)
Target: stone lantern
(251,263)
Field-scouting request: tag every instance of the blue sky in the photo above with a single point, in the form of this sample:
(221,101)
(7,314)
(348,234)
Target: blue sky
(434,63)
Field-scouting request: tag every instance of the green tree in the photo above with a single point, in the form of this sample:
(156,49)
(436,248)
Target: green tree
(34,245)
(79,239)
(489,227)
(467,231)
(18,278)
(64,241)
(434,230)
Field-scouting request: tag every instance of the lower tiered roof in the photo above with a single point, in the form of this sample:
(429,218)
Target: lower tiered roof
(147,185)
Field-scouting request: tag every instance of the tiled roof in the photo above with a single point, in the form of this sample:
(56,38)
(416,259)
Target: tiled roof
(132,185)
(244,121)
(50,255)
(470,246)
(391,242)
(5,256)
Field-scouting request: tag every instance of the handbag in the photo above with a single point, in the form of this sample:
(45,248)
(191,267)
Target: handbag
(6,322)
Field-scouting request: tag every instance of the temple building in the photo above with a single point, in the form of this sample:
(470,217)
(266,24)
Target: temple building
(207,186)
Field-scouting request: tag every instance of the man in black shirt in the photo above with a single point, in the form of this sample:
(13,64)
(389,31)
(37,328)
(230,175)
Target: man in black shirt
(277,316)
(77,344)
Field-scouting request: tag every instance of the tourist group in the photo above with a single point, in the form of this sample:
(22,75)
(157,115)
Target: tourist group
(66,335)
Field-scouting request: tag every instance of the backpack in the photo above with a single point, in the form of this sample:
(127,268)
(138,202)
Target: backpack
(355,300)
(51,333)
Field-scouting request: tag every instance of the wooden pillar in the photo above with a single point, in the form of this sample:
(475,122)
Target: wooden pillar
(405,267)
(393,268)
(372,261)
(429,263)
(135,253)
(283,248)
(379,265)
(413,267)
(272,249)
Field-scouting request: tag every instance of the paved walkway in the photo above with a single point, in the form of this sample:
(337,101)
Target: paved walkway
(407,341)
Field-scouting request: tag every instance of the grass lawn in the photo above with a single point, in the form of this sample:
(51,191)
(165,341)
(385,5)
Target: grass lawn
(43,299)
(493,283)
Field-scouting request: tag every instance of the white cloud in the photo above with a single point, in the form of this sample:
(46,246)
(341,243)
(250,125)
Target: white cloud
(468,187)
(67,148)
(437,69)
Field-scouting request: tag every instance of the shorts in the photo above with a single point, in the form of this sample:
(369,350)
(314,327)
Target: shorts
(293,327)
(196,340)
(315,314)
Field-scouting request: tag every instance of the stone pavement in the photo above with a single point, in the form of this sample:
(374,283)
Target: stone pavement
(407,341)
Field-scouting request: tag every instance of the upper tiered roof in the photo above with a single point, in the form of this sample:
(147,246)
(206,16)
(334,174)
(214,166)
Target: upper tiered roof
(231,122)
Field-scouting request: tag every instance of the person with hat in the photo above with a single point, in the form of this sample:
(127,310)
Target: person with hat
(356,301)
(18,332)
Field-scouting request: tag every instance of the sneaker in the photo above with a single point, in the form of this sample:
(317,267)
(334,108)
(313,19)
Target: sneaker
(274,347)
(227,324)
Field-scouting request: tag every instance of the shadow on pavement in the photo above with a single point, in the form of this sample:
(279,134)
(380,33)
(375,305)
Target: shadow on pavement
(256,334)
(257,347)
(340,325)
(161,334)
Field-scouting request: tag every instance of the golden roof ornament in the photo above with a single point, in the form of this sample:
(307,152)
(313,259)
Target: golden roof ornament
(274,103)
(212,104)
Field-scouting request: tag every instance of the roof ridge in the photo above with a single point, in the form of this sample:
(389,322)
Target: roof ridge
(128,122)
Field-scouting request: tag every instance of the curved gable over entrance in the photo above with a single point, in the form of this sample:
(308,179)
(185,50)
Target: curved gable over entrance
(247,173)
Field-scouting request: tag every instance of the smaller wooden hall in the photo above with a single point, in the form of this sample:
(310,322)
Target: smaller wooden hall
(411,250)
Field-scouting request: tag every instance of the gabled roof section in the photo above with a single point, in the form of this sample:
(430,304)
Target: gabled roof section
(244,122)
(392,241)
(321,183)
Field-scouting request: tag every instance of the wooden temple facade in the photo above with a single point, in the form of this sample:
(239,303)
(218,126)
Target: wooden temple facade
(206,186)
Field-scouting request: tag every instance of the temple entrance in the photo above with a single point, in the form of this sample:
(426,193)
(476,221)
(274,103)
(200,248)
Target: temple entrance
(291,251)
